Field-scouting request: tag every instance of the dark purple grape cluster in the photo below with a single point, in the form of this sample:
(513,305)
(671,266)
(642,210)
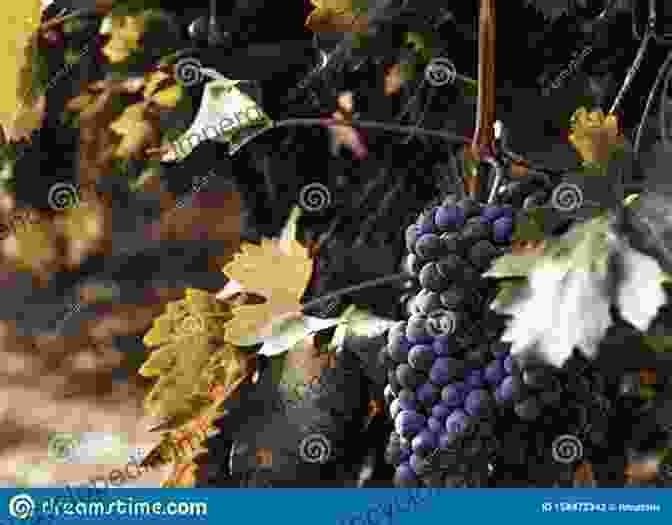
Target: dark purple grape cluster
(445,364)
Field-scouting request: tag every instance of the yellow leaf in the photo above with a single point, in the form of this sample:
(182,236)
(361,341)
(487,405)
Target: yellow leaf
(332,16)
(169,97)
(184,476)
(126,32)
(153,81)
(19,23)
(136,132)
(594,135)
(269,271)
(26,120)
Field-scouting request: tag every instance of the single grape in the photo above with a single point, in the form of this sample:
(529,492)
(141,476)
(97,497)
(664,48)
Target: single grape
(408,423)
(406,396)
(449,218)
(454,394)
(495,373)
(512,389)
(426,302)
(445,345)
(409,378)
(429,246)
(459,422)
(475,378)
(445,369)
(398,349)
(450,268)
(421,357)
(441,410)
(431,279)
(436,425)
(425,442)
(509,364)
(479,403)
(426,223)
(529,409)
(416,331)
(404,476)
(428,395)
(502,230)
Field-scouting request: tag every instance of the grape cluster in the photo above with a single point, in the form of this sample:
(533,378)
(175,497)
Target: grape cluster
(445,365)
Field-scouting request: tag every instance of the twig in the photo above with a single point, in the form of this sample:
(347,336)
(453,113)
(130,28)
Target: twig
(381,281)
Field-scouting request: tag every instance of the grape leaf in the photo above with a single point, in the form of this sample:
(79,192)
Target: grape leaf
(138,134)
(337,16)
(512,265)
(658,343)
(597,139)
(257,269)
(125,33)
(569,293)
(288,331)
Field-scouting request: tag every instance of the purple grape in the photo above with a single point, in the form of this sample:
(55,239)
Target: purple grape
(449,218)
(475,378)
(408,377)
(398,349)
(425,223)
(508,364)
(442,410)
(421,357)
(502,230)
(408,423)
(416,331)
(492,213)
(478,403)
(395,408)
(511,389)
(444,370)
(459,422)
(406,452)
(418,464)
(428,394)
(453,395)
(435,425)
(404,476)
(444,345)
(424,442)
(495,372)
(429,246)
(407,399)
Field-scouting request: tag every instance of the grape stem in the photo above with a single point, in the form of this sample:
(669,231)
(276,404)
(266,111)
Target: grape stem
(381,281)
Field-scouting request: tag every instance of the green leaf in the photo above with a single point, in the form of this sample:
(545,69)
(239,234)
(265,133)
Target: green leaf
(647,392)
(659,343)
(512,266)
(361,322)
(509,291)
(530,227)
(287,333)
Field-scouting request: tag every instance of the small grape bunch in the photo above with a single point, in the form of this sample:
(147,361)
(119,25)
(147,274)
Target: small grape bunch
(445,364)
